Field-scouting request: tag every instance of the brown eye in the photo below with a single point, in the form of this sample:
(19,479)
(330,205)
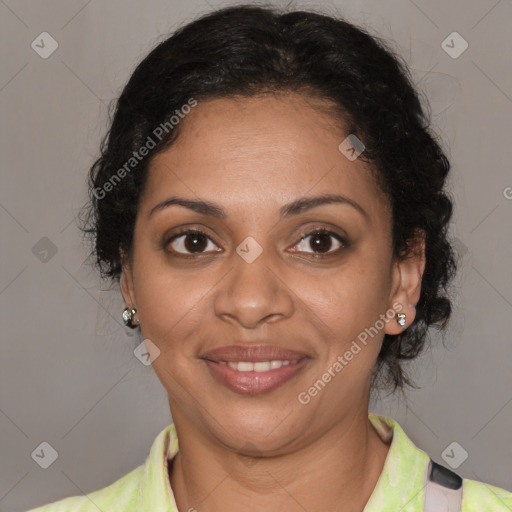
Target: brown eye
(192,242)
(320,242)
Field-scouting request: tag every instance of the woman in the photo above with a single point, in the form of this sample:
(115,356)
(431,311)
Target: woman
(272,202)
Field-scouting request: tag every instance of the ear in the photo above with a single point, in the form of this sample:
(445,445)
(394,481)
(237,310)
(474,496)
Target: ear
(406,288)
(126,281)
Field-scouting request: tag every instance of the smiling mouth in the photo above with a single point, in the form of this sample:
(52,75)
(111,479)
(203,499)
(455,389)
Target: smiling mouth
(258,366)
(255,377)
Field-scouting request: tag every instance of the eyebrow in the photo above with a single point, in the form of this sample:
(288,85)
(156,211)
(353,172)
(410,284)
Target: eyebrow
(295,207)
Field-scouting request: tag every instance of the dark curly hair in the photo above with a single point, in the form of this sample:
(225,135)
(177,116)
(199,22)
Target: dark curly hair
(248,50)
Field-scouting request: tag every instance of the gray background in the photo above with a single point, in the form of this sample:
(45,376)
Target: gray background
(68,375)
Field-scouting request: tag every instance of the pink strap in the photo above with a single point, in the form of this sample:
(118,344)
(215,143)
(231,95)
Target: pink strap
(443,489)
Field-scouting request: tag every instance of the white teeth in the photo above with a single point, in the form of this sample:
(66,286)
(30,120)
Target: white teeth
(262,366)
(245,367)
(259,366)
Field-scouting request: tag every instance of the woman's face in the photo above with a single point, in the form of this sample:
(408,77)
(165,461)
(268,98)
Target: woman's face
(258,275)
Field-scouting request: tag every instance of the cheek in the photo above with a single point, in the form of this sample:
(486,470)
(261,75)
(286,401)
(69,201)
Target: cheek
(171,305)
(347,300)
(349,304)
(173,310)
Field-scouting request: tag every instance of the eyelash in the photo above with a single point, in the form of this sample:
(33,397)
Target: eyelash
(319,231)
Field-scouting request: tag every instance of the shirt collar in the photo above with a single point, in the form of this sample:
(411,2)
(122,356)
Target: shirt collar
(399,487)
(155,491)
(402,480)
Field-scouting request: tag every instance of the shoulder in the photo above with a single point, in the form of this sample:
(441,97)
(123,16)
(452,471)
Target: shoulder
(145,488)
(405,469)
(483,497)
(119,496)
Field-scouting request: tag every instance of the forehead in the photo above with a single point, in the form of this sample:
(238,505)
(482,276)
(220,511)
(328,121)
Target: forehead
(264,149)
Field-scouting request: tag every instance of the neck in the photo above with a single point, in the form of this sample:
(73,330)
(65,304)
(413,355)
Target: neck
(337,472)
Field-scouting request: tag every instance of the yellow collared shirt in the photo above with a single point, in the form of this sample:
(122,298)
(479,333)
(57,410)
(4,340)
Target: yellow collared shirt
(400,487)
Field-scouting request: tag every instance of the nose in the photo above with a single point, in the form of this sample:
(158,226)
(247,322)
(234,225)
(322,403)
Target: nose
(253,294)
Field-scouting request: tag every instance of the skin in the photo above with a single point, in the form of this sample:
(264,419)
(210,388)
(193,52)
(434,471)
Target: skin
(268,452)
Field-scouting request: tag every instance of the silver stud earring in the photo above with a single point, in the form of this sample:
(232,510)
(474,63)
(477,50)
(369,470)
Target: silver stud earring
(128,314)
(400,318)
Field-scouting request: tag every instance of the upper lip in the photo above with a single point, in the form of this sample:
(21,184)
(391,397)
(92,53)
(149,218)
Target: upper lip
(252,353)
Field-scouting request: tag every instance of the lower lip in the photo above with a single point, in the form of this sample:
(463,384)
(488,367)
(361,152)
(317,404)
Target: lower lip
(253,383)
